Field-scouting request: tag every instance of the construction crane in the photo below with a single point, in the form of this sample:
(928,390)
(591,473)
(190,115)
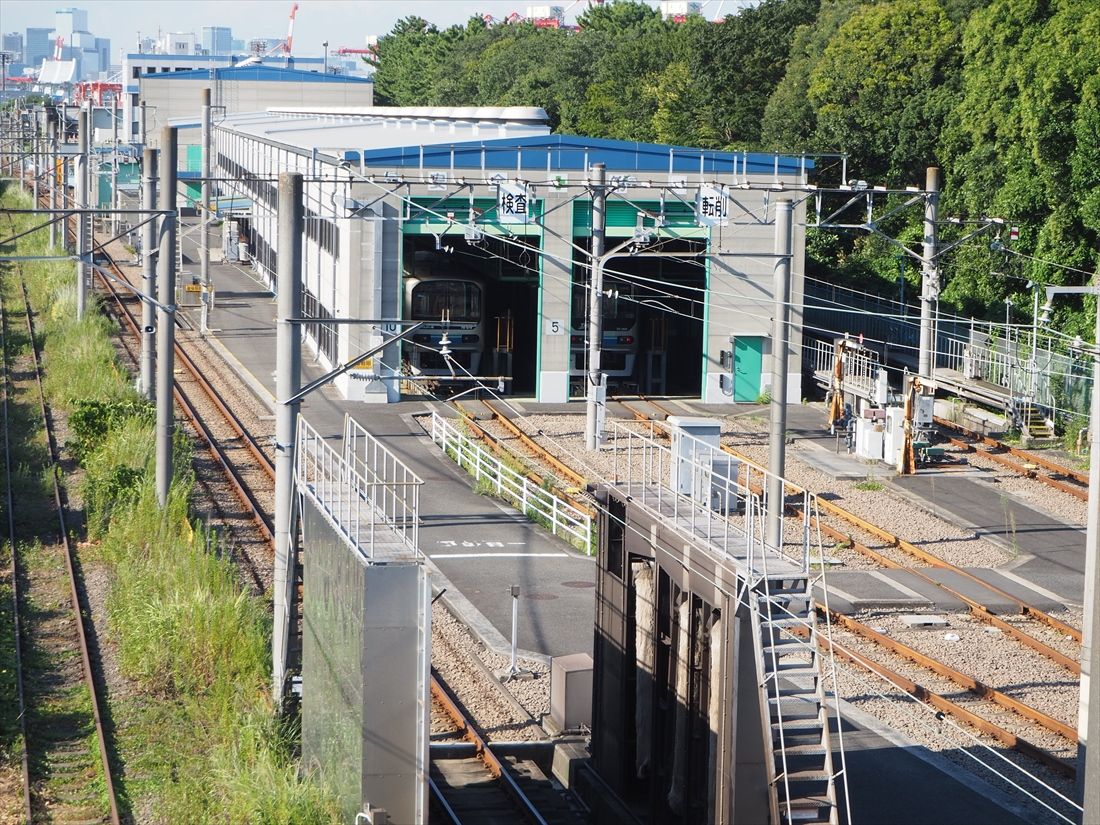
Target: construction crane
(285,47)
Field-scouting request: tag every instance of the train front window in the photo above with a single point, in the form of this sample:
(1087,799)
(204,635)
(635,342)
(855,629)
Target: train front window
(456,300)
(620,312)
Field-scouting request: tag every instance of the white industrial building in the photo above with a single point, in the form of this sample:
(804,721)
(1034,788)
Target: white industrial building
(175,98)
(489,216)
(138,65)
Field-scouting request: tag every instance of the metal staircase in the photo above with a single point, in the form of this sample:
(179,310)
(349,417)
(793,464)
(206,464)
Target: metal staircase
(1034,423)
(794,714)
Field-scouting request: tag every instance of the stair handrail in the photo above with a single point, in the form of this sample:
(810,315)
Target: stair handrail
(843,772)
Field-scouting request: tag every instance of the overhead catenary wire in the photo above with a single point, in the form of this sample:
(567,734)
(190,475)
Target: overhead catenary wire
(898,698)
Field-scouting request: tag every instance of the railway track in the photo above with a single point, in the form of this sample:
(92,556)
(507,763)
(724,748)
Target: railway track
(65,763)
(474,785)
(1022,462)
(908,548)
(1011,722)
(990,710)
(453,804)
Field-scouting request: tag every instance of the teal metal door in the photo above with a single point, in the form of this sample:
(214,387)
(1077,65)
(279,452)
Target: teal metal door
(747,360)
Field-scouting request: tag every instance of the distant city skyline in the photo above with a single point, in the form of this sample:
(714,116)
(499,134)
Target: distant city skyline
(343,23)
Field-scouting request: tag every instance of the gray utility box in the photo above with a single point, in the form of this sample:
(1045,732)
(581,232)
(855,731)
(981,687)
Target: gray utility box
(571,691)
(698,467)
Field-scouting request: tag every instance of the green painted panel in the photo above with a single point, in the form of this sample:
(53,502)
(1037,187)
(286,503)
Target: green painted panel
(621,214)
(747,361)
(484,213)
(193,160)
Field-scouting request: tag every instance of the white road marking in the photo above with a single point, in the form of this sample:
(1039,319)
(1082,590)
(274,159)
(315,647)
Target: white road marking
(498,555)
(898,586)
(1042,591)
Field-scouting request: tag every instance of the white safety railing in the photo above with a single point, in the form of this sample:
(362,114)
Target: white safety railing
(372,497)
(861,367)
(560,517)
(717,497)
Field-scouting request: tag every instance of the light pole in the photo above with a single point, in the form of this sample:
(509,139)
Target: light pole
(325,44)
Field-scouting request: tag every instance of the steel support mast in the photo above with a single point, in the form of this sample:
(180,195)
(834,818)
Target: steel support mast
(166,330)
(288,381)
(930,274)
(595,305)
(784,242)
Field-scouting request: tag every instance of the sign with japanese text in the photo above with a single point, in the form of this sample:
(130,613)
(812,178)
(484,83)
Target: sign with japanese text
(713,208)
(513,203)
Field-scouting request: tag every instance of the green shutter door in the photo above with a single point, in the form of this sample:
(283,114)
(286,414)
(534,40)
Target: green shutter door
(747,360)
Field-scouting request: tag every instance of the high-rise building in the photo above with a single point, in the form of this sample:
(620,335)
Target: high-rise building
(103,46)
(69,21)
(177,43)
(37,47)
(79,44)
(13,44)
(217,40)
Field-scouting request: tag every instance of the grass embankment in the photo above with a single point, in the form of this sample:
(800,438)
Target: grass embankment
(197,735)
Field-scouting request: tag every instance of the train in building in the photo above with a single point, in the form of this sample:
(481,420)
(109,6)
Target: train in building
(450,300)
(621,328)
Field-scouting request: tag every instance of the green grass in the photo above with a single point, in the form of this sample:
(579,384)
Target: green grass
(199,738)
(870,485)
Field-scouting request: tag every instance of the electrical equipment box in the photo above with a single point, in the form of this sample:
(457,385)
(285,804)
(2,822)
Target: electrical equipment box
(894,435)
(693,439)
(870,436)
(699,469)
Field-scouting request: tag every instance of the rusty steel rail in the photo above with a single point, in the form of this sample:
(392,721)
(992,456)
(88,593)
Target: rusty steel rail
(497,768)
(13,572)
(941,703)
(973,685)
(977,609)
(1024,455)
(497,447)
(1027,469)
(537,448)
(74,592)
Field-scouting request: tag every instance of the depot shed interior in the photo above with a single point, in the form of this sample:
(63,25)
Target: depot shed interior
(403,220)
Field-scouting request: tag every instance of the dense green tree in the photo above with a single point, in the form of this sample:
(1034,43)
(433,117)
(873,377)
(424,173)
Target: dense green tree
(789,119)
(739,62)
(1022,141)
(1004,94)
(882,89)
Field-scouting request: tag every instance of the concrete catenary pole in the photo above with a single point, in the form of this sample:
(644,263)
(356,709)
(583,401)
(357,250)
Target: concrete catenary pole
(288,380)
(115,219)
(930,272)
(595,303)
(36,164)
(148,274)
(166,330)
(1089,750)
(204,215)
(51,139)
(81,174)
(777,457)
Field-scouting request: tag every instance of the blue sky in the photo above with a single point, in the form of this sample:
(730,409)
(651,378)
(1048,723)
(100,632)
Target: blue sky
(341,22)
